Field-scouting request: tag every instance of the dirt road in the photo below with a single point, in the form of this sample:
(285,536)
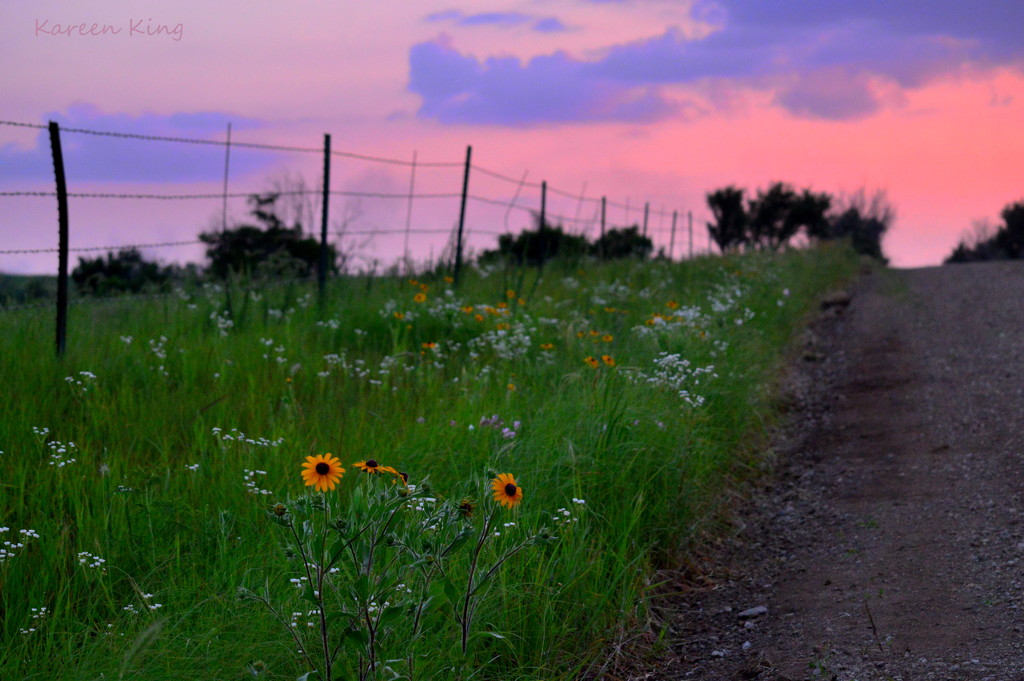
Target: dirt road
(890,542)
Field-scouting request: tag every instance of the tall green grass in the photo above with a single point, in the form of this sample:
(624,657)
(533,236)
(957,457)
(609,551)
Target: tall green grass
(162,497)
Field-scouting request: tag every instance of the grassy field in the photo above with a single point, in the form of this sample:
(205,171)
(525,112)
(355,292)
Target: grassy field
(141,472)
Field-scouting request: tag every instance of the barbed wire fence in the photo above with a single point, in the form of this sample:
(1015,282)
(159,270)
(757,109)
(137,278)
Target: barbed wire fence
(590,217)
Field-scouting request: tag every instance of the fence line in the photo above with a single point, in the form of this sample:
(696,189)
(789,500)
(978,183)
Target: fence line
(541,212)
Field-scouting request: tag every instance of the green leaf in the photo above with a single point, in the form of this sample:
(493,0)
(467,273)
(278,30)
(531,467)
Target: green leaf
(391,613)
(460,540)
(355,637)
(308,595)
(308,675)
(361,589)
(246,594)
(451,593)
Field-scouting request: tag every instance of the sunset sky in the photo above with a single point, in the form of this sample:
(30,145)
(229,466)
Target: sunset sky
(655,101)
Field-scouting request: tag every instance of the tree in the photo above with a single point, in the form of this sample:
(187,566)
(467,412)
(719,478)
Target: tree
(810,211)
(270,248)
(125,271)
(769,217)
(625,242)
(1006,243)
(729,229)
(864,221)
(536,246)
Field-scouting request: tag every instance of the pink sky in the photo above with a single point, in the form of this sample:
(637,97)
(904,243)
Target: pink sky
(638,100)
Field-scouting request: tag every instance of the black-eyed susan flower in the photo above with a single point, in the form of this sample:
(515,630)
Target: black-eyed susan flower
(449,280)
(466,507)
(506,491)
(672,305)
(322,471)
(547,346)
(399,316)
(592,361)
(468,309)
(608,360)
(607,338)
(419,298)
(430,345)
(510,294)
(478,317)
(424,288)
(502,305)
(372,466)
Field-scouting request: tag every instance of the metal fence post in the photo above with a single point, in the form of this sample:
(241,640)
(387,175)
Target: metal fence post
(462,217)
(62,219)
(322,273)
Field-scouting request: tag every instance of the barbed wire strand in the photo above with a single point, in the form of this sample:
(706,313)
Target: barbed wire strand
(247,145)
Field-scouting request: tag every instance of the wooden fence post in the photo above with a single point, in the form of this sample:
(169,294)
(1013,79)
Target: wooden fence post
(227,161)
(672,241)
(322,272)
(462,217)
(407,264)
(62,220)
(543,204)
(603,206)
(689,226)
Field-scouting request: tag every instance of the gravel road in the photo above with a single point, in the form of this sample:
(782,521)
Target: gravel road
(889,541)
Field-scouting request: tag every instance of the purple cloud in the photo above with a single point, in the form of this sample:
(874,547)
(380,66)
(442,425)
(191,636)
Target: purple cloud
(94,158)
(549,25)
(819,58)
(505,91)
(499,19)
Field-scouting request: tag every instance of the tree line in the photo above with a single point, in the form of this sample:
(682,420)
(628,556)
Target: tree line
(1004,242)
(273,243)
(775,217)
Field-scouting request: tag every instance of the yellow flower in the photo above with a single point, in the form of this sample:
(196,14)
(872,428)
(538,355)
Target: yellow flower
(592,362)
(608,360)
(424,288)
(595,333)
(468,309)
(419,298)
(430,346)
(579,334)
(399,316)
(502,305)
(511,387)
(502,326)
(449,280)
(546,346)
(607,338)
(672,305)
(506,491)
(323,471)
(478,317)
(413,282)
(371,466)
(510,294)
